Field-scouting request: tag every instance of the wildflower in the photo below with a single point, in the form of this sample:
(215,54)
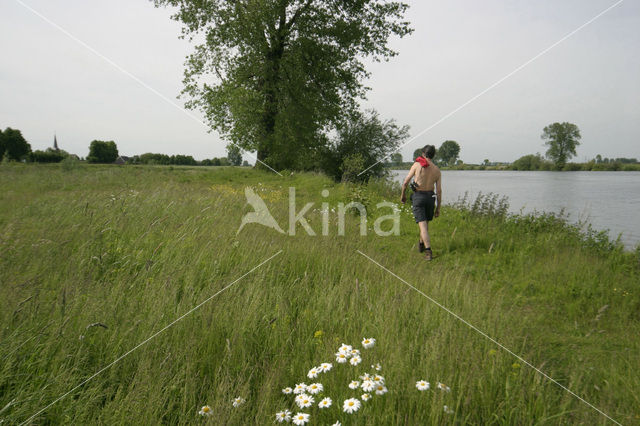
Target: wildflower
(368,342)
(313,373)
(365,396)
(377,367)
(287,391)
(355,352)
(205,411)
(492,352)
(443,387)
(365,376)
(341,357)
(422,385)
(315,388)
(351,405)
(381,390)
(239,401)
(318,334)
(378,379)
(325,403)
(325,366)
(300,388)
(448,410)
(300,418)
(345,348)
(337,423)
(304,400)
(355,360)
(283,416)
(515,365)
(368,385)
(354,384)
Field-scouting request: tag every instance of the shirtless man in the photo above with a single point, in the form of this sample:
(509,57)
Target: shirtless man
(426,175)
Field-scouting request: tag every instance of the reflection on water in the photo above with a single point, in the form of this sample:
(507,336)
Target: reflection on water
(607,200)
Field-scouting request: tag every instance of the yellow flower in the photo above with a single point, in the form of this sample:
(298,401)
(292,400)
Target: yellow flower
(492,352)
(515,365)
(318,334)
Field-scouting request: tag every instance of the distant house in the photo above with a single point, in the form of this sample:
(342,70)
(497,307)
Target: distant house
(122,159)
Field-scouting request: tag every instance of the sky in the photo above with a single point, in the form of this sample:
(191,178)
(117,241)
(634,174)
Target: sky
(120,78)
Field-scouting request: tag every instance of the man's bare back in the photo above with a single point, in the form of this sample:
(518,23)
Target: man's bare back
(426,177)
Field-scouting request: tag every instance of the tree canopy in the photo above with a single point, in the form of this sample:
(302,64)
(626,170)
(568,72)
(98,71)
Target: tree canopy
(562,140)
(234,154)
(274,76)
(13,144)
(102,152)
(448,153)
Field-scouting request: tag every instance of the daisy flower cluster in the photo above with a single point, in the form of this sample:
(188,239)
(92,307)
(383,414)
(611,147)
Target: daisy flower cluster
(310,396)
(423,385)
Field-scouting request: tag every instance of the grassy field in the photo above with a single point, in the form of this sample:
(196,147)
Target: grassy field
(95,260)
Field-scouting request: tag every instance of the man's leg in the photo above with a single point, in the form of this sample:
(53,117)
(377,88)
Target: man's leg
(424,233)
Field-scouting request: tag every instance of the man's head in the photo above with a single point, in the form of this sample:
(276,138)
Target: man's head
(429,151)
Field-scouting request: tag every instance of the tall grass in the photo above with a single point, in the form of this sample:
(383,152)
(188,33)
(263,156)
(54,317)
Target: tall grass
(134,248)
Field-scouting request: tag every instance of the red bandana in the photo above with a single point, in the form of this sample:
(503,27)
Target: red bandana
(423,161)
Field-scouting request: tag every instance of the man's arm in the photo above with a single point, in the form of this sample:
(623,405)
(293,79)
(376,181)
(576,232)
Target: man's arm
(412,172)
(438,194)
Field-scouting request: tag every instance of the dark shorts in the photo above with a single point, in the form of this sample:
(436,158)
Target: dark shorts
(423,204)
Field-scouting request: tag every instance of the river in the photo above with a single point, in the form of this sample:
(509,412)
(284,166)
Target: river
(606,200)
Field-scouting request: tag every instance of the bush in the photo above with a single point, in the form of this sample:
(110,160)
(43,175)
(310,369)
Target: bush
(48,156)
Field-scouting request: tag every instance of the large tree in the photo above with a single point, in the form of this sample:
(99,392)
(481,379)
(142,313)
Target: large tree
(448,153)
(273,76)
(234,155)
(102,152)
(13,144)
(562,140)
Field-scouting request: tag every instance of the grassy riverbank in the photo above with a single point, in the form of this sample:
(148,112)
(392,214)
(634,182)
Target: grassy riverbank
(96,259)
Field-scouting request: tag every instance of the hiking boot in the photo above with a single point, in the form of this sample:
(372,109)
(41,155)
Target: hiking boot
(421,246)
(428,255)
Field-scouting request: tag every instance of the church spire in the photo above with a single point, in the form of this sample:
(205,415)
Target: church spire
(55,142)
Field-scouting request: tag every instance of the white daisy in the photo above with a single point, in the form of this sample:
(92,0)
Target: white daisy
(365,396)
(377,367)
(326,366)
(354,384)
(354,352)
(313,373)
(283,416)
(365,376)
(239,401)
(325,403)
(355,360)
(287,391)
(315,388)
(381,390)
(351,405)
(337,423)
(422,385)
(341,357)
(448,410)
(300,418)
(368,385)
(443,387)
(368,342)
(378,379)
(300,388)
(304,400)
(205,411)
(345,348)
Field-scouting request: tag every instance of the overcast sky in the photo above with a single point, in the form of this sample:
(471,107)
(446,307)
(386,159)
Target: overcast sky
(50,83)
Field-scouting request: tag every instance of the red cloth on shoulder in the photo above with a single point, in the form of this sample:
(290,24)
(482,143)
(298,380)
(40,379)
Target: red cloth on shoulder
(423,161)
